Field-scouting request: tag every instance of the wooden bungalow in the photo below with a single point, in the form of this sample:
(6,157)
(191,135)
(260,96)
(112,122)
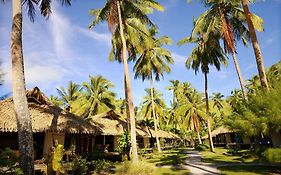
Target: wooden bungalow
(112,126)
(223,136)
(148,140)
(49,124)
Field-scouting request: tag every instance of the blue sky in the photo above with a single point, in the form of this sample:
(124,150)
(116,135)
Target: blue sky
(62,48)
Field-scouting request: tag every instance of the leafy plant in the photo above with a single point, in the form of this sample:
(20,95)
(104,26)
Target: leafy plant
(8,163)
(124,144)
(273,155)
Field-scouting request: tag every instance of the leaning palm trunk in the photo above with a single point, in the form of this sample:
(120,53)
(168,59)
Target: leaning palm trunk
(128,89)
(242,84)
(24,126)
(208,114)
(154,115)
(256,46)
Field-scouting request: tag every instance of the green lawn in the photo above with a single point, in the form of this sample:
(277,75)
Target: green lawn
(167,162)
(250,170)
(221,156)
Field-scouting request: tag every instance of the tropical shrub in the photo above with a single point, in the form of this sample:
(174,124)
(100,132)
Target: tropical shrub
(273,155)
(8,163)
(79,166)
(201,147)
(100,165)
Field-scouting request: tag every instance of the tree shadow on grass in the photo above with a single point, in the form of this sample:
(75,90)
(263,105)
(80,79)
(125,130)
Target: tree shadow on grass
(241,169)
(170,158)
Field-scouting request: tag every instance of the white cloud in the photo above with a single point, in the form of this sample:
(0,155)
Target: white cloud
(179,59)
(102,37)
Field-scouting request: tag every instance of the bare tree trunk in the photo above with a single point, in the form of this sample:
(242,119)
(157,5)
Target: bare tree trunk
(25,138)
(240,77)
(256,45)
(155,118)
(199,138)
(129,89)
(208,114)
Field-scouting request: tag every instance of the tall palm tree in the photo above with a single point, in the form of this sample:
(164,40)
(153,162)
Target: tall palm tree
(154,61)
(96,97)
(24,126)
(192,108)
(114,12)
(255,44)
(207,52)
(69,95)
(174,88)
(227,19)
(153,105)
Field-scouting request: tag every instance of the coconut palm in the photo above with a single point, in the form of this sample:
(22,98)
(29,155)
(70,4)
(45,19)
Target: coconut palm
(114,12)
(153,105)
(207,52)
(24,126)
(227,19)
(191,108)
(154,61)
(174,88)
(217,100)
(255,44)
(56,101)
(69,95)
(96,98)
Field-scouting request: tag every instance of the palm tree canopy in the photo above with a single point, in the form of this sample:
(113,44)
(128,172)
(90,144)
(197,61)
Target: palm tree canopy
(95,98)
(159,104)
(154,59)
(69,94)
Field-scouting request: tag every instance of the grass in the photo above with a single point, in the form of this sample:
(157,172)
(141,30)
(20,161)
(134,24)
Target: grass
(243,156)
(250,170)
(168,162)
(221,156)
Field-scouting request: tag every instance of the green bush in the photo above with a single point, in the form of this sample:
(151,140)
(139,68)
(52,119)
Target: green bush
(201,147)
(100,165)
(8,160)
(79,166)
(140,168)
(273,155)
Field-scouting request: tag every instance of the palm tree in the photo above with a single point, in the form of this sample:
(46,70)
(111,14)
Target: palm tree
(227,19)
(95,98)
(114,12)
(24,126)
(153,105)
(69,95)
(207,52)
(256,46)
(56,101)
(174,88)
(217,100)
(191,108)
(154,60)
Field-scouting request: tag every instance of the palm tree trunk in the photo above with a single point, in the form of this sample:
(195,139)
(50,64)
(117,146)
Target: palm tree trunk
(208,114)
(199,138)
(256,46)
(129,89)
(155,119)
(242,84)
(25,138)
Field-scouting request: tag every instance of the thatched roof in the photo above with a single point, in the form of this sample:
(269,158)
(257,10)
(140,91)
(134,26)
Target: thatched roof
(219,130)
(45,116)
(111,123)
(161,134)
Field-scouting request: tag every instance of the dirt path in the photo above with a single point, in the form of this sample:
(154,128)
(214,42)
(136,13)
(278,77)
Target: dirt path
(197,167)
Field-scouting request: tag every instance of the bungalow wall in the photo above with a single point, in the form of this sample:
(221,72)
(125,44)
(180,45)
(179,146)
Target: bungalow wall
(276,139)
(50,138)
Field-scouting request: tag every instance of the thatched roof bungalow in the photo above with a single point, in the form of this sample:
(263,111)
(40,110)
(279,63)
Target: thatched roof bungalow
(49,123)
